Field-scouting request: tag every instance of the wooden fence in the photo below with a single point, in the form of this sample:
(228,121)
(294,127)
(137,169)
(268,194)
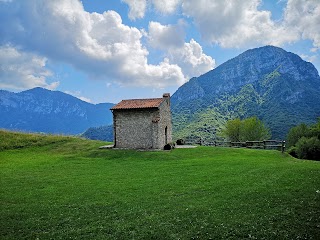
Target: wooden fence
(265,144)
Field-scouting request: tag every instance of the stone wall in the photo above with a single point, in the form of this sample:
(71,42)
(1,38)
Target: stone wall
(149,128)
(134,128)
(164,126)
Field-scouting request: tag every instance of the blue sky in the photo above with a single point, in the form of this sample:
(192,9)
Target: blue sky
(108,50)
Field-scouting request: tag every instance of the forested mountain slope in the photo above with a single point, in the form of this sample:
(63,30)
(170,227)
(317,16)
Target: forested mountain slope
(42,110)
(268,82)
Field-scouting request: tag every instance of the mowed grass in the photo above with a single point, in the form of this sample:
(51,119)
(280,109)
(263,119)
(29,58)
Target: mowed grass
(67,188)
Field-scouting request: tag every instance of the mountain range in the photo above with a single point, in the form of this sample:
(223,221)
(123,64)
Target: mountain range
(42,110)
(277,86)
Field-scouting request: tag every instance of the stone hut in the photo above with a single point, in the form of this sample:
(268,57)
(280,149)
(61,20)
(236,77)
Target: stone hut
(142,123)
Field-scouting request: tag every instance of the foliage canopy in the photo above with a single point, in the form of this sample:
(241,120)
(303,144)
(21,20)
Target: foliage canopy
(249,129)
(304,141)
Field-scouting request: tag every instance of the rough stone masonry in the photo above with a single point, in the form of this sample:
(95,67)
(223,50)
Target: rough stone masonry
(142,123)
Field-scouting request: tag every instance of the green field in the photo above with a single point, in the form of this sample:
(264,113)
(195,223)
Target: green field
(66,188)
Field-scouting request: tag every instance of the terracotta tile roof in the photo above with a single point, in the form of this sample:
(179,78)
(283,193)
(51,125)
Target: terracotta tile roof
(138,103)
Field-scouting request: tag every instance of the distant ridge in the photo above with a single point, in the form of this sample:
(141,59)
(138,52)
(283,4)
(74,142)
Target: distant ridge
(42,110)
(277,86)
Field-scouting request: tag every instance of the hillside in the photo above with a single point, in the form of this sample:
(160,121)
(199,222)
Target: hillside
(41,110)
(65,187)
(103,133)
(277,86)
(268,82)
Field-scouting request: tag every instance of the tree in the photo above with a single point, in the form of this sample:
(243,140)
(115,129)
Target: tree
(296,133)
(232,130)
(308,148)
(304,141)
(315,129)
(253,129)
(250,129)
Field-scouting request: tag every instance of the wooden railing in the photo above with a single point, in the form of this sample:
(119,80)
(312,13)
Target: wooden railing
(192,140)
(265,144)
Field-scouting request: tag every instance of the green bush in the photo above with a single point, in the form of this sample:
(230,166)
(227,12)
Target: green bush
(232,130)
(308,148)
(296,133)
(249,129)
(304,141)
(315,129)
(253,129)
(293,151)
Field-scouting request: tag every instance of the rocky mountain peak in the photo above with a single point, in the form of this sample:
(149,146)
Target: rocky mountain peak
(267,82)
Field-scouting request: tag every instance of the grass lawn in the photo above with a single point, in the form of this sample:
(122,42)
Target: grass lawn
(66,188)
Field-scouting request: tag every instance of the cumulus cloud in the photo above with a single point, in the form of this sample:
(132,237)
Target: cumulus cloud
(23,70)
(166,6)
(99,44)
(235,23)
(242,23)
(165,36)
(137,8)
(104,47)
(304,18)
(188,56)
(308,58)
(79,95)
(191,59)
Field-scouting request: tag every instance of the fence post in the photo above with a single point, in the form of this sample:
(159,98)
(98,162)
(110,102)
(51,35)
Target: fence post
(264,144)
(283,146)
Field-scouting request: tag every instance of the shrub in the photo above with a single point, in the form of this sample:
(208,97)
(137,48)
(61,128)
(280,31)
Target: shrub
(249,129)
(253,129)
(232,130)
(315,129)
(296,133)
(293,151)
(308,148)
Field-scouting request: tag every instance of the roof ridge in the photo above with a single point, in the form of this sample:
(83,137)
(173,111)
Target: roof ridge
(139,103)
(140,99)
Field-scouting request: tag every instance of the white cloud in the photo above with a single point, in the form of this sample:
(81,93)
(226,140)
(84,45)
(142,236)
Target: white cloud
(99,44)
(242,23)
(102,46)
(235,23)
(85,99)
(166,6)
(137,8)
(304,18)
(23,70)
(308,58)
(78,94)
(188,56)
(165,36)
(191,59)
